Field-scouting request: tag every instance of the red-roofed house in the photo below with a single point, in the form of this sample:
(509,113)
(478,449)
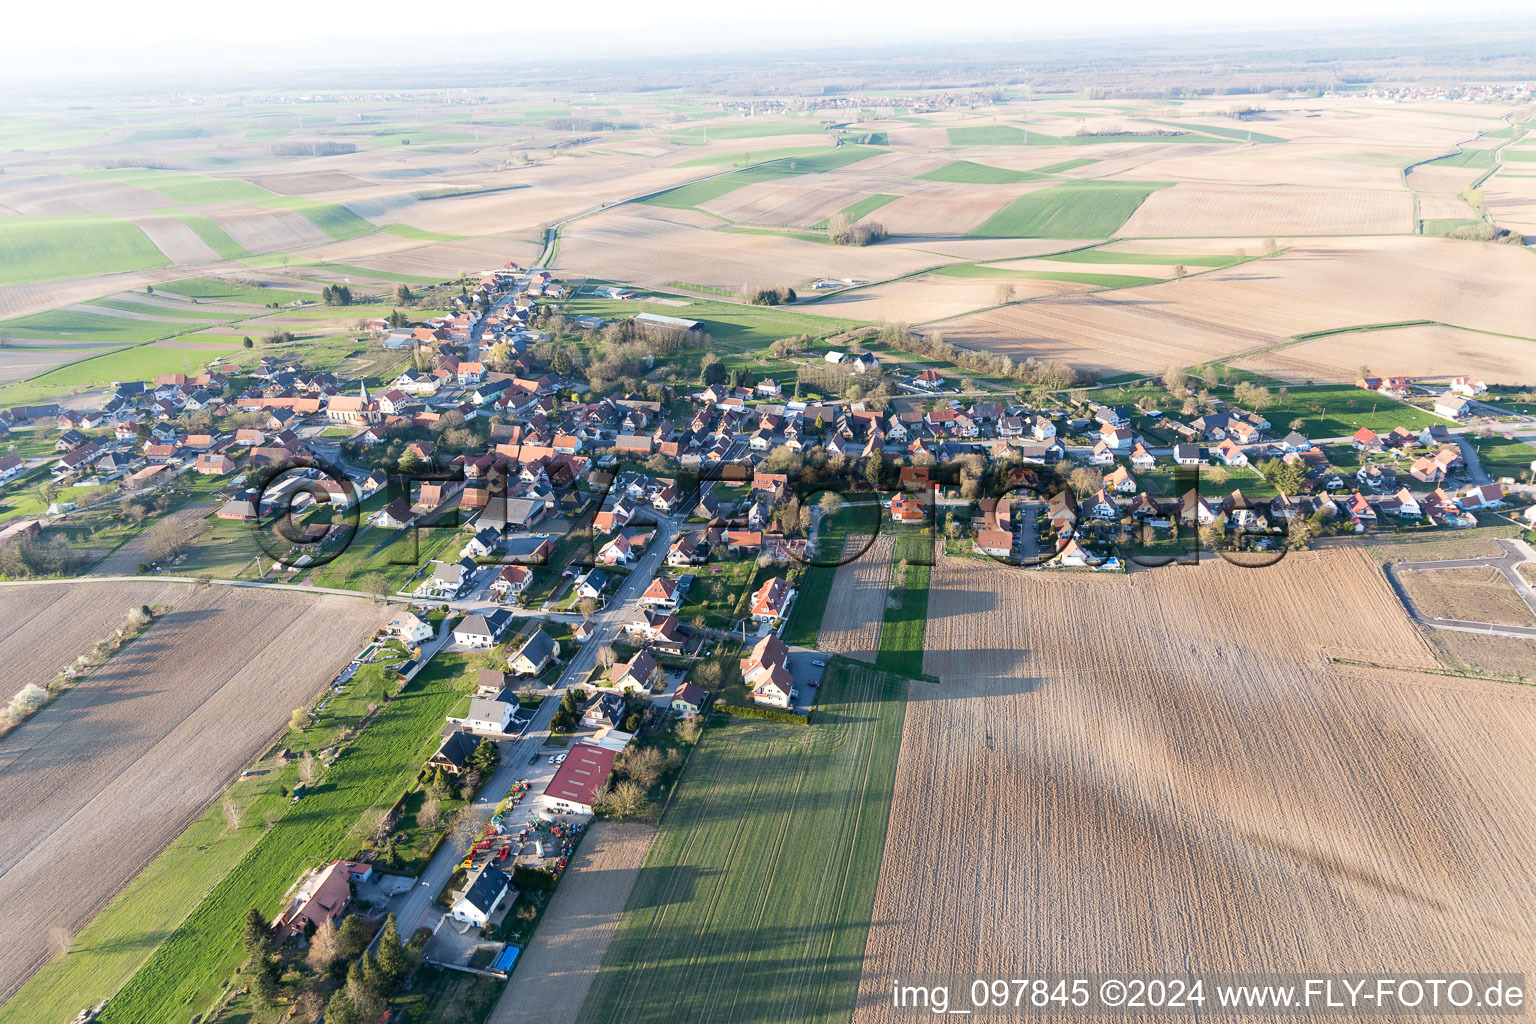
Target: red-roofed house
(580,780)
(772,599)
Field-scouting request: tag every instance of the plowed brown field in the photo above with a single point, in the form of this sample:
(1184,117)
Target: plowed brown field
(98,783)
(1160,772)
(856,605)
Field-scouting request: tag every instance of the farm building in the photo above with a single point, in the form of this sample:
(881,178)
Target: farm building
(579,780)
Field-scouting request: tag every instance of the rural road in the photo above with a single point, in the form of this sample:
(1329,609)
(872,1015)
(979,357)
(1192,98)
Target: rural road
(415,911)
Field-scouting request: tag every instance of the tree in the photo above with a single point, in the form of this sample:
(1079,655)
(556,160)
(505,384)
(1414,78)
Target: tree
(712,370)
(255,936)
(362,991)
(830,503)
(431,814)
(247,342)
(324,948)
(351,937)
(298,720)
(874,468)
(410,462)
(486,756)
(394,959)
(1086,480)
(1179,271)
(606,657)
(626,800)
(264,984)
(232,812)
(643,764)
(342,1010)
(377,584)
(1175,380)
(1217,475)
(309,768)
(403,293)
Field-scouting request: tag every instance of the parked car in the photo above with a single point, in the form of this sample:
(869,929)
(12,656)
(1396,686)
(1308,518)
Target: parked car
(535,758)
(819,664)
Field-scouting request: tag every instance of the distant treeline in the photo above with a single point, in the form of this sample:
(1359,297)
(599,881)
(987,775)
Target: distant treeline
(582,124)
(311,148)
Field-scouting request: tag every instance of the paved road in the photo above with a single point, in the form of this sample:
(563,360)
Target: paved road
(417,909)
(1516,553)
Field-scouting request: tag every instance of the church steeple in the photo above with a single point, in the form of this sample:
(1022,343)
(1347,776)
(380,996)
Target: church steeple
(364,391)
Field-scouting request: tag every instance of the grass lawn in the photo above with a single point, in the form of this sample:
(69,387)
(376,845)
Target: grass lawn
(978,174)
(904,627)
(1337,410)
(217,289)
(184,973)
(1070,210)
(420,234)
(394,554)
(53,248)
(1502,456)
(755,899)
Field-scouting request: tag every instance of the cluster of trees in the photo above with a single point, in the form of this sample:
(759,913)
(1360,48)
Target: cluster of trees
(336,295)
(311,148)
(1482,231)
(1286,477)
(31,557)
(335,955)
(768,295)
(842,231)
(635,772)
(568,714)
(1041,375)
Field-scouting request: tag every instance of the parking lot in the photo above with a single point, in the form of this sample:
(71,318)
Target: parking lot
(805,673)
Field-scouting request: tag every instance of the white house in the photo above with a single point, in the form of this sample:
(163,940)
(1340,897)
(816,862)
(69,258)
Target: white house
(409,628)
(482,631)
(487,717)
(1453,406)
(488,889)
(535,655)
(1469,386)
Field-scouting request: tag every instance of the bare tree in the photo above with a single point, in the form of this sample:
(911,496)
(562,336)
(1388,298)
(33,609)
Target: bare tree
(309,768)
(431,814)
(233,813)
(606,657)
(324,948)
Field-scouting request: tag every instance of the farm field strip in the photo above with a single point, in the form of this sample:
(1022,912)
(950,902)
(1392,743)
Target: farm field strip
(1113,741)
(755,896)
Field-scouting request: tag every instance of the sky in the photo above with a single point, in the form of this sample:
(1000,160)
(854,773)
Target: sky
(103,35)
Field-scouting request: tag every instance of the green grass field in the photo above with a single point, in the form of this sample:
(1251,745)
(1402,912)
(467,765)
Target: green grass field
(54,248)
(217,289)
(815,586)
(1068,165)
(736,156)
(1096,280)
(1443,227)
(213,236)
(164,134)
(993,135)
(332,218)
(97,328)
(184,189)
(122,936)
(755,899)
(978,174)
(1483,158)
(1338,410)
(1520,155)
(1240,134)
(185,972)
(904,627)
(1074,210)
(863,208)
(1150,259)
(160,312)
(420,234)
(1502,456)
(686,197)
(138,362)
(719,132)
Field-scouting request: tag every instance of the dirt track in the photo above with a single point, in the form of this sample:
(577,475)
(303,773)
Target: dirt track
(557,968)
(1160,772)
(125,760)
(856,605)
